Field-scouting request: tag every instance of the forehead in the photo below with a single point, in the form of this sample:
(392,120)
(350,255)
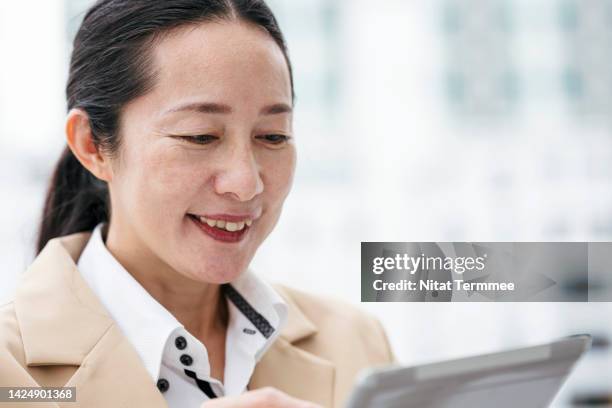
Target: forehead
(228,61)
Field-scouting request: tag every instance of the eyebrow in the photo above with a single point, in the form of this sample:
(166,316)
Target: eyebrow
(219,108)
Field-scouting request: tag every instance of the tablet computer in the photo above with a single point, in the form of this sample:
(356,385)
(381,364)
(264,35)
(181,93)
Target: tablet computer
(527,377)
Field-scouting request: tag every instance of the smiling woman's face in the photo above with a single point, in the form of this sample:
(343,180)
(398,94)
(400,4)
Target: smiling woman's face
(212,139)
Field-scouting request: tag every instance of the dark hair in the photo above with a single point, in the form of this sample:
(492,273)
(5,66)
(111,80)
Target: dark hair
(110,66)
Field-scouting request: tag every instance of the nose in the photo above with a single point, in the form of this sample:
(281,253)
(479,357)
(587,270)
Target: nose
(240,175)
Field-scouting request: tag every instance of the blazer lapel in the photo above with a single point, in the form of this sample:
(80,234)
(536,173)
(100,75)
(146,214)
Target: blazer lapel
(290,368)
(62,322)
(112,375)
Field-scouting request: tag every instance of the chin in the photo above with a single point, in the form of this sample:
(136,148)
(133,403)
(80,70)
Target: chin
(218,275)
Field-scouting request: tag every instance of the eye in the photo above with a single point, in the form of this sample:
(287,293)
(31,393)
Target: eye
(198,139)
(274,139)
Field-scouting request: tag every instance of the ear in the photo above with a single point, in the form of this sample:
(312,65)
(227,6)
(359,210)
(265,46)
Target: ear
(80,141)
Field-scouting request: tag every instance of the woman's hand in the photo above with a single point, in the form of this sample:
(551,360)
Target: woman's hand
(267,397)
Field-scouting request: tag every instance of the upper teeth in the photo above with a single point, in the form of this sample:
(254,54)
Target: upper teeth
(226,225)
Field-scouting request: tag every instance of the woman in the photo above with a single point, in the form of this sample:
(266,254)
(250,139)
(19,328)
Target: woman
(179,157)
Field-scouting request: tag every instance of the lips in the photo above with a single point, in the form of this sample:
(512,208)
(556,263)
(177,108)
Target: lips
(222,230)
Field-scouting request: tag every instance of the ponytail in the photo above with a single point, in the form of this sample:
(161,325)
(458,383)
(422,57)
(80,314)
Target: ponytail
(76,201)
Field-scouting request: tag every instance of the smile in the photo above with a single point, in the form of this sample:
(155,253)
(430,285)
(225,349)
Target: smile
(226,225)
(222,230)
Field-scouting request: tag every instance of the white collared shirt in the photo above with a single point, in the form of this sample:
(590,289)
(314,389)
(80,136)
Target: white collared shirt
(176,360)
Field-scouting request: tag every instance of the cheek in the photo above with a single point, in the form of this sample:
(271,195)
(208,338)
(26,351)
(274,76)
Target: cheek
(163,183)
(279,173)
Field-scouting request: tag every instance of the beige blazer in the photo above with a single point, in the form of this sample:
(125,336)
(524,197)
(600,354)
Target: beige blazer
(55,332)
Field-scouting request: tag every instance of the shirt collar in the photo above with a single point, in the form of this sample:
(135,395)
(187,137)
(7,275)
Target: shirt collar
(148,325)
